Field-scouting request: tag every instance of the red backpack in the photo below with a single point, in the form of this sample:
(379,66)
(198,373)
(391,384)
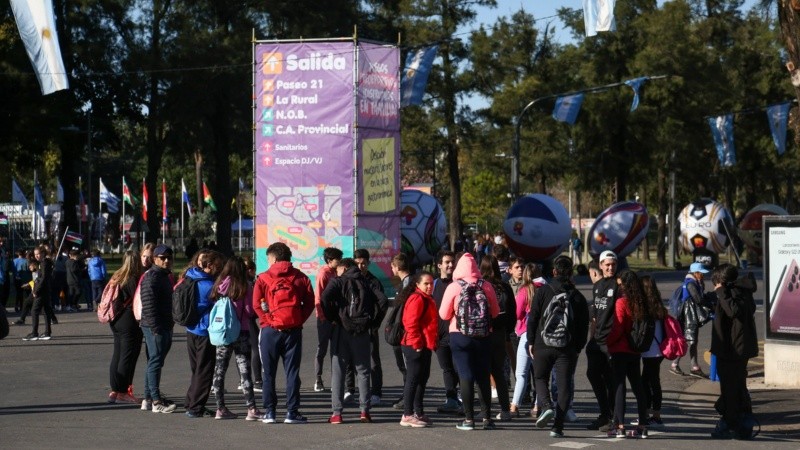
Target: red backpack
(674,344)
(285,308)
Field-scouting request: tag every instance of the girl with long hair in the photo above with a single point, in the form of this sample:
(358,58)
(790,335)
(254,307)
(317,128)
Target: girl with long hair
(652,358)
(531,280)
(232,283)
(127,334)
(630,307)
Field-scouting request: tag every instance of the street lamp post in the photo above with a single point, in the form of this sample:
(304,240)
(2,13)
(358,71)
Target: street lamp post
(518,123)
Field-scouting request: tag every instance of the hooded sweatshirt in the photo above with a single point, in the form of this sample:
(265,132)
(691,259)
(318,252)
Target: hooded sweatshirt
(302,289)
(204,284)
(467,270)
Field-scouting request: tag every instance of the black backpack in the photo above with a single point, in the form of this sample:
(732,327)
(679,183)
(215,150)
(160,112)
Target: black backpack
(556,319)
(184,303)
(357,310)
(507,317)
(642,334)
(394,330)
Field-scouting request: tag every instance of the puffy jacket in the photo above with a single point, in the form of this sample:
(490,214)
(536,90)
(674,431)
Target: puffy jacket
(578,326)
(155,290)
(205,283)
(467,270)
(301,284)
(97,269)
(420,321)
(734,331)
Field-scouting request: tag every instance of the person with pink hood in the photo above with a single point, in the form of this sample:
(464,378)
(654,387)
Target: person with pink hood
(469,304)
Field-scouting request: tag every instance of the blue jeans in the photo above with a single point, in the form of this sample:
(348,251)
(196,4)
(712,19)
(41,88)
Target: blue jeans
(158,346)
(97,291)
(523,372)
(288,345)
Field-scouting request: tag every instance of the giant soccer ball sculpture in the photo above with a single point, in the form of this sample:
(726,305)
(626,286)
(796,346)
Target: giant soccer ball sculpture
(537,227)
(750,226)
(620,228)
(705,225)
(423,227)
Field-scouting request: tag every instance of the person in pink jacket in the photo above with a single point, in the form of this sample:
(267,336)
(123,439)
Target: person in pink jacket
(469,339)
(531,281)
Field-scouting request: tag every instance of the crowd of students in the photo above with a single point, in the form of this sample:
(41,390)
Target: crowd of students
(483,319)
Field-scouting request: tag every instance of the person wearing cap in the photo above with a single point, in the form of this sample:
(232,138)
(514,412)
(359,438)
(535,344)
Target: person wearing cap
(690,316)
(601,315)
(155,289)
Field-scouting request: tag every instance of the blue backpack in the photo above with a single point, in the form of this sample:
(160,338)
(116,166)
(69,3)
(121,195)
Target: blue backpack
(223,324)
(677,299)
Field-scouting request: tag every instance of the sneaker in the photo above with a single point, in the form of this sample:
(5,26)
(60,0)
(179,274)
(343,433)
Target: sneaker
(676,370)
(412,421)
(257,386)
(164,406)
(571,416)
(696,372)
(636,433)
(239,387)
(31,337)
(348,397)
(655,422)
(335,419)
(224,414)
(556,433)
(19,322)
(55,321)
(399,404)
(617,433)
(295,418)
(488,424)
(147,405)
(112,397)
(365,417)
(44,337)
(375,400)
(503,416)
(467,425)
(269,417)
(450,406)
(544,419)
(254,414)
(605,428)
(318,386)
(643,433)
(424,419)
(124,397)
(597,423)
(494,393)
(191,414)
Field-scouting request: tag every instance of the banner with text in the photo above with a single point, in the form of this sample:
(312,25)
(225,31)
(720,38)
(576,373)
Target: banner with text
(304,149)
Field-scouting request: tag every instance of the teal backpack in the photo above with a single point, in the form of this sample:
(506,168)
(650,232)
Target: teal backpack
(223,324)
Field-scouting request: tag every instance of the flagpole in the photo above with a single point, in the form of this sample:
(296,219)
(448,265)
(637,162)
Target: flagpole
(163,209)
(62,243)
(34,222)
(183,243)
(122,235)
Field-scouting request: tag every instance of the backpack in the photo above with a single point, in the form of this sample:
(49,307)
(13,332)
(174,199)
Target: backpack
(358,309)
(676,301)
(224,325)
(674,344)
(507,317)
(472,314)
(137,299)
(642,334)
(285,310)
(184,302)
(555,320)
(110,307)
(394,330)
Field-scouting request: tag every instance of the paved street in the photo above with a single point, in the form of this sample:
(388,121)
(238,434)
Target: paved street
(53,394)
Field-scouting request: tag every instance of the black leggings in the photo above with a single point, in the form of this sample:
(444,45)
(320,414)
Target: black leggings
(626,365)
(127,347)
(418,370)
(651,382)
(472,360)
(498,365)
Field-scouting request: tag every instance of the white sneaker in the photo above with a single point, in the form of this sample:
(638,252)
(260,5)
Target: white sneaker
(571,416)
(147,405)
(375,400)
(347,397)
(318,386)
(494,393)
(503,416)
(164,406)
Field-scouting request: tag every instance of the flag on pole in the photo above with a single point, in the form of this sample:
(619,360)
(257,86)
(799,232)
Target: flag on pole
(241,185)
(144,199)
(17,196)
(164,200)
(415,75)
(722,132)
(36,23)
(82,206)
(778,117)
(636,83)
(126,194)
(185,197)
(207,198)
(59,191)
(567,108)
(38,200)
(598,15)
(75,238)
(107,197)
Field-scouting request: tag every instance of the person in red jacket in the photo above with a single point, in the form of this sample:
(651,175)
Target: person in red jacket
(632,305)
(421,322)
(283,300)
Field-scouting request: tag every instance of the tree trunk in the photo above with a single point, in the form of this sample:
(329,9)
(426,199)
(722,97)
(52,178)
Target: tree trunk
(451,149)
(663,210)
(198,178)
(646,242)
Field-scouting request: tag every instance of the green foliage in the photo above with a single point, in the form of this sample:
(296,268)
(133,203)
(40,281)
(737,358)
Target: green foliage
(202,225)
